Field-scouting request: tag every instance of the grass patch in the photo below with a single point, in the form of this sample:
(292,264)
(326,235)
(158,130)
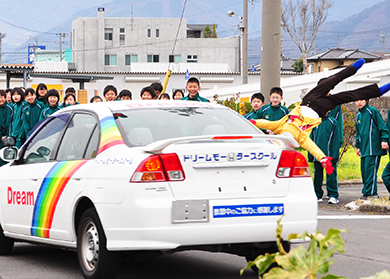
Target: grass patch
(381,201)
(349,167)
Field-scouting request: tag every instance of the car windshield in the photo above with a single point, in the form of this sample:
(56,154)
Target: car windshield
(144,126)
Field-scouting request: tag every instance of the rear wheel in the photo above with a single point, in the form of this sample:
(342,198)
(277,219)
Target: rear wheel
(94,259)
(6,244)
(265,248)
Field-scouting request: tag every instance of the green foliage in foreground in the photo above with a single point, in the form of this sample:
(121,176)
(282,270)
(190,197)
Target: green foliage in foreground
(301,262)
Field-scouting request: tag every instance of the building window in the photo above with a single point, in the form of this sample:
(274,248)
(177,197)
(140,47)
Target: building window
(149,33)
(133,58)
(155,58)
(175,58)
(122,39)
(127,60)
(157,33)
(192,58)
(110,60)
(121,30)
(108,34)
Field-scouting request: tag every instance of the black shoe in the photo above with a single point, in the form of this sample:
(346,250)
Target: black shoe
(363,197)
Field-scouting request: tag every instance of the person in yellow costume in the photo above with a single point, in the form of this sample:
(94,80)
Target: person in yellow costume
(315,105)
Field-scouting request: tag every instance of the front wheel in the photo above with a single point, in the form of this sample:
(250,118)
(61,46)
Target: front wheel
(6,244)
(94,259)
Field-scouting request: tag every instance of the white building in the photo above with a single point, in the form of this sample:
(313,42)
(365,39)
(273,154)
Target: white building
(148,44)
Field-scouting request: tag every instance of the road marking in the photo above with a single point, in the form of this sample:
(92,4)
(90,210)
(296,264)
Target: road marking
(351,217)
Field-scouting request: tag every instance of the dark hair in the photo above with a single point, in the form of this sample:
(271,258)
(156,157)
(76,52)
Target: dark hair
(94,98)
(193,79)
(164,95)
(257,96)
(70,95)
(150,90)
(32,91)
(125,92)
(157,86)
(52,92)
(276,90)
(2,93)
(41,85)
(108,88)
(177,91)
(19,91)
(8,90)
(70,90)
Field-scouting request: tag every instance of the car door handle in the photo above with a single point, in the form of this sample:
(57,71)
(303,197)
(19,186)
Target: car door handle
(34,178)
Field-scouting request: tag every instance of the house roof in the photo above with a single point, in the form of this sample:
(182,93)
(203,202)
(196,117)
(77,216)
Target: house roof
(13,67)
(343,54)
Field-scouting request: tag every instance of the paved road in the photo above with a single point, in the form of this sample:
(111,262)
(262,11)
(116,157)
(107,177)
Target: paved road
(368,252)
(368,240)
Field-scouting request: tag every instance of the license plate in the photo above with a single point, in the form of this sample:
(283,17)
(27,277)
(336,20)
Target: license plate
(227,211)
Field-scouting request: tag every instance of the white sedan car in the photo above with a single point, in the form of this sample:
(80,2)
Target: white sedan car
(110,178)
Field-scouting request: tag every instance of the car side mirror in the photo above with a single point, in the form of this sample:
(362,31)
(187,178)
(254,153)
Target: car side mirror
(9,154)
(8,141)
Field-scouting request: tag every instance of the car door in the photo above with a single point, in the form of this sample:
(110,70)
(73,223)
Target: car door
(21,186)
(68,179)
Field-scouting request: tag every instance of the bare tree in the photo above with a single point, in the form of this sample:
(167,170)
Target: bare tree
(302,19)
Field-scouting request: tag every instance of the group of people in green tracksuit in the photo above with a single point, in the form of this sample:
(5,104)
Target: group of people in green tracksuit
(26,108)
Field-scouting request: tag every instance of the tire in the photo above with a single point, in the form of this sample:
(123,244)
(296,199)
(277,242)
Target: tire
(272,248)
(94,259)
(6,244)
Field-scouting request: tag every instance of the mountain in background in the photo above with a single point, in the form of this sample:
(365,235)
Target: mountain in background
(350,23)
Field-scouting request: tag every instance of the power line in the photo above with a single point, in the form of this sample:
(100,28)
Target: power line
(27,29)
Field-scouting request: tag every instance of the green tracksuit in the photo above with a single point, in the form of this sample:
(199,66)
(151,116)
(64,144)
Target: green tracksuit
(337,114)
(371,131)
(272,113)
(386,171)
(48,111)
(31,115)
(17,124)
(327,137)
(252,115)
(197,98)
(42,100)
(6,113)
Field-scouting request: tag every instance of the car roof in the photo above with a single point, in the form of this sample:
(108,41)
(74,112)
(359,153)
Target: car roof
(104,108)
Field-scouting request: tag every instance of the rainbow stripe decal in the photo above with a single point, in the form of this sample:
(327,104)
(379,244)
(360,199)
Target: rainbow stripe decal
(49,194)
(110,134)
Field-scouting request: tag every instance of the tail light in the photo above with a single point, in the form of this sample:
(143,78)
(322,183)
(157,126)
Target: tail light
(292,164)
(158,168)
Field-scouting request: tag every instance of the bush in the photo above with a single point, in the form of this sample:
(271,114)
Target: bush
(301,262)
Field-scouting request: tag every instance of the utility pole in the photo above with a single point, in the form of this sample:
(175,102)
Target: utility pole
(383,41)
(61,35)
(132,15)
(270,46)
(2,35)
(245,44)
